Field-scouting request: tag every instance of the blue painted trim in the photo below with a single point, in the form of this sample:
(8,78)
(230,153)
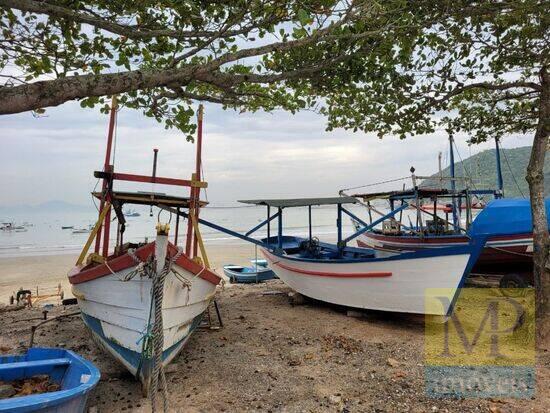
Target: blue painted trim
(261,224)
(73,395)
(375,223)
(224,230)
(477,244)
(424,253)
(352,216)
(133,357)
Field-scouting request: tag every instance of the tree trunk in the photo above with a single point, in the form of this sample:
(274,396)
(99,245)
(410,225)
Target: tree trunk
(541,240)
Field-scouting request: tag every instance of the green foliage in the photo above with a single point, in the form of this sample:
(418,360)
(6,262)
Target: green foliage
(391,67)
(64,39)
(479,62)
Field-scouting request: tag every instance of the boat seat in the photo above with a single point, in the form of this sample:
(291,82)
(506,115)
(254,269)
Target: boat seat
(21,369)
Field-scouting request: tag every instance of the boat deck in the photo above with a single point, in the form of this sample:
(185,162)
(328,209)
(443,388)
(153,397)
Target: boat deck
(302,248)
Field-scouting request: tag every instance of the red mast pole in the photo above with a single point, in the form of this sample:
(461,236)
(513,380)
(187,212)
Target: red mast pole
(107,168)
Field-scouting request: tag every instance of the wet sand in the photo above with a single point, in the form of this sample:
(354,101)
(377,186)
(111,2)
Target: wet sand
(47,271)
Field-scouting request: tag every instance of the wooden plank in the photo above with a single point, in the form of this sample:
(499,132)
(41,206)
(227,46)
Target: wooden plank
(152,180)
(94,232)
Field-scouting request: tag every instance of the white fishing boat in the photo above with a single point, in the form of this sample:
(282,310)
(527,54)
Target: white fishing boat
(360,277)
(370,279)
(116,302)
(141,302)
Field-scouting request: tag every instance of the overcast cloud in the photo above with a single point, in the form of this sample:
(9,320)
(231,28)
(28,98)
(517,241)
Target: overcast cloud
(245,155)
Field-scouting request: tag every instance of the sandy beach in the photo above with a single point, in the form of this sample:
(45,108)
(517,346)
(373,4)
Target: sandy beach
(47,271)
(270,356)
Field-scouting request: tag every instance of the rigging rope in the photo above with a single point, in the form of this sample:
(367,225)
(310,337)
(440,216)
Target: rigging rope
(512,173)
(158,334)
(376,183)
(464,167)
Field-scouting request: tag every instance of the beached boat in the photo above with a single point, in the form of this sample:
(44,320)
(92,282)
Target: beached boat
(142,301)
(438,222)
(358,277)
(116,296)
(253,274)
(367,279)
(131,213)
(503,252)
(74,376)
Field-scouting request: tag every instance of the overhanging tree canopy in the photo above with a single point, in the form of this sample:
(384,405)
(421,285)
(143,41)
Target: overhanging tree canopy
(482,67)
(159,56)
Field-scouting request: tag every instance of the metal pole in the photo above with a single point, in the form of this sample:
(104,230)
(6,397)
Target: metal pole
(370,212)
(339,224)
(309,213)
(268,224)
(177,227)
(155,156)
(280,229)
(500,181)
(106,165)
(453,181)
(440,171)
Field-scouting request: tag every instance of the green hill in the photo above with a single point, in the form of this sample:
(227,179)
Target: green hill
(481,167)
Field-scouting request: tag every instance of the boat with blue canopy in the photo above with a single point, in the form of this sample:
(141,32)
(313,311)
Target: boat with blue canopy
(442,217)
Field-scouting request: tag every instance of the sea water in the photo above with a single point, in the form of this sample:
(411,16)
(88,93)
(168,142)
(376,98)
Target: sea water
(43,234)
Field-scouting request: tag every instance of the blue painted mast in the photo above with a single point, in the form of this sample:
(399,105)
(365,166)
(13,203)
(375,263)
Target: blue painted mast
(453,182)
(500,182)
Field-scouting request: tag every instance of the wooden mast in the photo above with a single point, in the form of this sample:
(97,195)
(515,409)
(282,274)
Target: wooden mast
(191,241)
(107,167)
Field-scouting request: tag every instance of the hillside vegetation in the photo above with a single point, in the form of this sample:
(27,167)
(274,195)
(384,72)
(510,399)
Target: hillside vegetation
(481,167)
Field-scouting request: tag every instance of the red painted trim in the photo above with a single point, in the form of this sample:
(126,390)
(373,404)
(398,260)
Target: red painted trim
(77,276)
(188,264)
(327,274)
(151,180)
(334,274)
(412,241)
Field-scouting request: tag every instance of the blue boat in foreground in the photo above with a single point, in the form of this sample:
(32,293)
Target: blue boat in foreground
(75,376)
(259,272)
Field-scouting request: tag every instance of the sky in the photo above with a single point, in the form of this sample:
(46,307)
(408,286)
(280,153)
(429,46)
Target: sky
(245,156)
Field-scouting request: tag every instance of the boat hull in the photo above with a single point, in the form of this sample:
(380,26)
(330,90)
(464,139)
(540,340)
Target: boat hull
(249,276)
(501,253)
(116,308)
(397,284)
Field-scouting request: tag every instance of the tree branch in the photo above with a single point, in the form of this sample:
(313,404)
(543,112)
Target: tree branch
(132,32)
